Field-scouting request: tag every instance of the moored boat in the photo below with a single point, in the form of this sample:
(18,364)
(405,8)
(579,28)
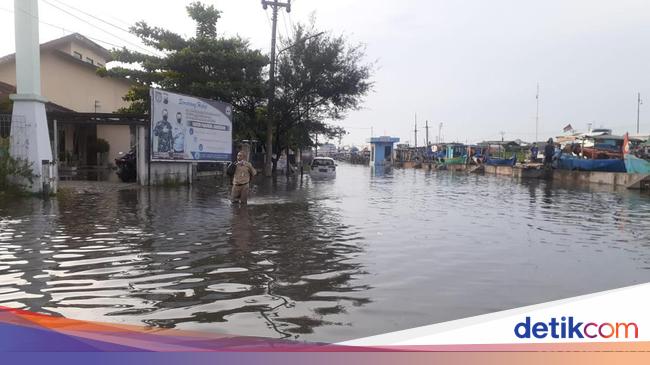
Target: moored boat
(454,154)
(572,163)
(635,164)
(455,160)
(501,161)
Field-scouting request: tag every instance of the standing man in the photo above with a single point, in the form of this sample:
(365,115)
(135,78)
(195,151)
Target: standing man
(533,152)
(549,151)
(244,172)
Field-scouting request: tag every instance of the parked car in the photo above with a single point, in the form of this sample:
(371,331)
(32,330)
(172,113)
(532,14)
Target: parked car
(323,167)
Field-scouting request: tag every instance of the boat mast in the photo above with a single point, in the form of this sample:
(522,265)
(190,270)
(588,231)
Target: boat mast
(537,114)
(416,130)
(427,128)
(638,112)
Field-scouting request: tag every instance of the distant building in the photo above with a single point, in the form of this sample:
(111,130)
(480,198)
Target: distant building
(69,80)
(327,149)
(382,150)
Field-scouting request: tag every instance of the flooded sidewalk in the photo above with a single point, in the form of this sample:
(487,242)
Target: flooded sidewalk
(322,260)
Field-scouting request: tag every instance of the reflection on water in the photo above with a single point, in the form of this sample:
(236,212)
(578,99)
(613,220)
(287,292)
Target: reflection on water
(327,260)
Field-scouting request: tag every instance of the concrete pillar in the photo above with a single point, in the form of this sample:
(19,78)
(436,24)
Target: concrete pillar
(30,139)
(141,156)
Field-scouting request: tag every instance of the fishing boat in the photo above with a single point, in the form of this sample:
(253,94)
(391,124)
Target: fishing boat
(455,160)
(455,154)
(568,162)
(634,164)
(501,161)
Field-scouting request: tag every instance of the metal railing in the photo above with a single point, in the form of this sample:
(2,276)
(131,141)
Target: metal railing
(5,125)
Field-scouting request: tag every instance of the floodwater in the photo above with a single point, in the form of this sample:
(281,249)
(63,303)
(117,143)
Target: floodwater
(323,260)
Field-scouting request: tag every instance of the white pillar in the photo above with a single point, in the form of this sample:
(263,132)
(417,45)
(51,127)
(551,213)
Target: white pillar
(141,156)
(30,139)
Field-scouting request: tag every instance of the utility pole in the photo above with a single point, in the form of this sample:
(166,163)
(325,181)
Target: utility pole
(638,112)
(440,132)
(427,128)
(537,114)
(416,130)
(502,133)
(275,5)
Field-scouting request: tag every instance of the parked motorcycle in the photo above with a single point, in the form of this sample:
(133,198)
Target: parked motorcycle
(126,167)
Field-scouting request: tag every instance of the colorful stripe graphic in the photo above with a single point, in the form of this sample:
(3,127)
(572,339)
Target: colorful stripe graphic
(23,331)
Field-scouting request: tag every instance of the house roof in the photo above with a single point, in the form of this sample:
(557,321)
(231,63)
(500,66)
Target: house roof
(8,89)
(74,37)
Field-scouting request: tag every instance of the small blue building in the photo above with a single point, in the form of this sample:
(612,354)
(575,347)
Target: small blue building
(381,150)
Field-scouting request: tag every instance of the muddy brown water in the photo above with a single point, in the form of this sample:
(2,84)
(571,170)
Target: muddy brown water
(320,260)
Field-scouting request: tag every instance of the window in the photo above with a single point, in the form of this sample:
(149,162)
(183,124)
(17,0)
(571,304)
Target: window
(77,55)
(322,162)
(90,60)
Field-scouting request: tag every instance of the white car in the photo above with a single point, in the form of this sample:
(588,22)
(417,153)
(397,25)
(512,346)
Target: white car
(323,167)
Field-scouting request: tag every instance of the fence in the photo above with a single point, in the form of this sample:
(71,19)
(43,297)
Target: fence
(5,125)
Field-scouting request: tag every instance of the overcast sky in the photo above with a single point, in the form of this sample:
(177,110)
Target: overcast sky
(471,64)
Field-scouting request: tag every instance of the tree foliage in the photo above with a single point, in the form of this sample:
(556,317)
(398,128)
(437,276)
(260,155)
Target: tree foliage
(205,65)
(13,170)
(320,78)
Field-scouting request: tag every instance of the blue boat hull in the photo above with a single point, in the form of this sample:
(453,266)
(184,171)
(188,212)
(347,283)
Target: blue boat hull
(635,165)
(580,164)
(501,161)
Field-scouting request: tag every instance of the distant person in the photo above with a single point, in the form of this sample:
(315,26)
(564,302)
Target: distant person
(244,172)
(534,151)
(163,130)
(549,151)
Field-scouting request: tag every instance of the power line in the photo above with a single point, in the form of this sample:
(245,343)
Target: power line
(92,16)
(268,19)
(62,28)
(291,23)
(96,27)
(286,29)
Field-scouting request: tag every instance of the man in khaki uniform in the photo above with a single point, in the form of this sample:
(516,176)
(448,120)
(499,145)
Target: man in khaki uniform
(244,172)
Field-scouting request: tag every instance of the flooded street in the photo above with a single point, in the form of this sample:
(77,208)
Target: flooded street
(322,260)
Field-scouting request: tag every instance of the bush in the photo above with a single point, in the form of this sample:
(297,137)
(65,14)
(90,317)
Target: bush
(101,146)
(12,167)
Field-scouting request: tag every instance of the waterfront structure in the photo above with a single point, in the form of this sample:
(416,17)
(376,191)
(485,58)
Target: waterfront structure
(381,150)
(69,79)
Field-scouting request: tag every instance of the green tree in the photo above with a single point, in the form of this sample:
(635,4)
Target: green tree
(12,170)
(205,65)
(320,78)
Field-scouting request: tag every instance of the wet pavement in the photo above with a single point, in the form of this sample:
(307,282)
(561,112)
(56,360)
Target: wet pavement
(321,260)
